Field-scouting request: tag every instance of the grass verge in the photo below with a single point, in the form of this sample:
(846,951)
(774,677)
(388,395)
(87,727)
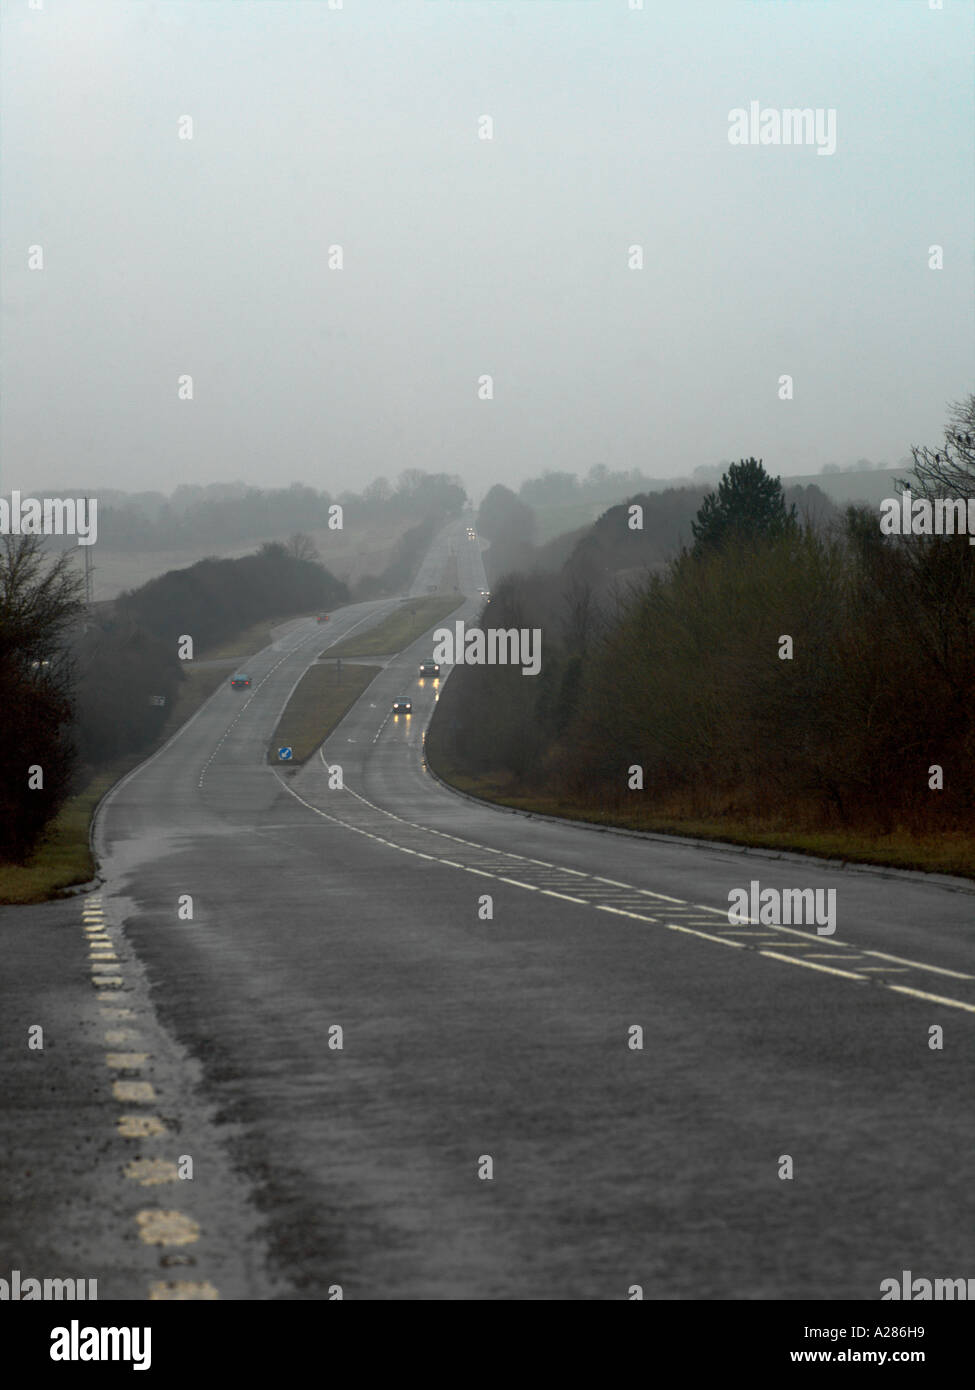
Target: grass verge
(939,854)
(322,697)
(64,858)
(252,639)
(399,629)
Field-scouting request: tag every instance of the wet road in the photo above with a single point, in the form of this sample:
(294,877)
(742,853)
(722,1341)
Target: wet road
(423,1048)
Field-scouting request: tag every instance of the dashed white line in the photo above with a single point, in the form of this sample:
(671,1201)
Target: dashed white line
(806,937)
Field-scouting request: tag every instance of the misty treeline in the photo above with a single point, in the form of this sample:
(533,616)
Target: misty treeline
(80,690)
(609,547)
(680,672)
(199,517)
(559,488)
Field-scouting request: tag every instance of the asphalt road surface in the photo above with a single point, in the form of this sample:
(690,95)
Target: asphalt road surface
(398,1039)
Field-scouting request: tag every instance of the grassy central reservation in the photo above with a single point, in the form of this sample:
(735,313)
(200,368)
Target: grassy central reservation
(326,693)
(322,697)
(401,628)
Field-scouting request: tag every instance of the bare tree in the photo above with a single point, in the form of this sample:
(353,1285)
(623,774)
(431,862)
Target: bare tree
(379,490)
(409,480)
(302,547)
(950,470)
(39,600)
(39,603)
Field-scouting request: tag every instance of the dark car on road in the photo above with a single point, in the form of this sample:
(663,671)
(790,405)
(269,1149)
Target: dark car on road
(429,668)
(239,682)
(401,705)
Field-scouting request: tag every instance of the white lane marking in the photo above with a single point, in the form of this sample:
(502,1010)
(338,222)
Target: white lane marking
(700,921)
(827,969)
(672,926)
(794,931)
(788,945)
(621,912)
(706,936)
(379,730)
(935,969)
(933,998)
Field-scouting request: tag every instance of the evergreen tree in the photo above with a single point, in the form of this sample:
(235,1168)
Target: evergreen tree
(748,504)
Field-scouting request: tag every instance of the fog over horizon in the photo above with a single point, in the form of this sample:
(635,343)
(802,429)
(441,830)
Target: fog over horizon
(359,127)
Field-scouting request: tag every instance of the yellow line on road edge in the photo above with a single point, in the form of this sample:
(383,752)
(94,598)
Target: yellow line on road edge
(155,1227)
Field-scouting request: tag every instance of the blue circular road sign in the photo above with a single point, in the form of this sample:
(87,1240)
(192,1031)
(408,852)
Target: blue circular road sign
(284,754)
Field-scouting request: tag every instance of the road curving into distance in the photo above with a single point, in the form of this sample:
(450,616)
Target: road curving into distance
(391,1093)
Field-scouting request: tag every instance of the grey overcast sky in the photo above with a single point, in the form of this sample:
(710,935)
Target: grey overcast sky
(358,126)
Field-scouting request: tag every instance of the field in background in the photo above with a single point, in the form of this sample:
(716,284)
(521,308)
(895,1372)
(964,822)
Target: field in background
(349,554)
(843,488)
